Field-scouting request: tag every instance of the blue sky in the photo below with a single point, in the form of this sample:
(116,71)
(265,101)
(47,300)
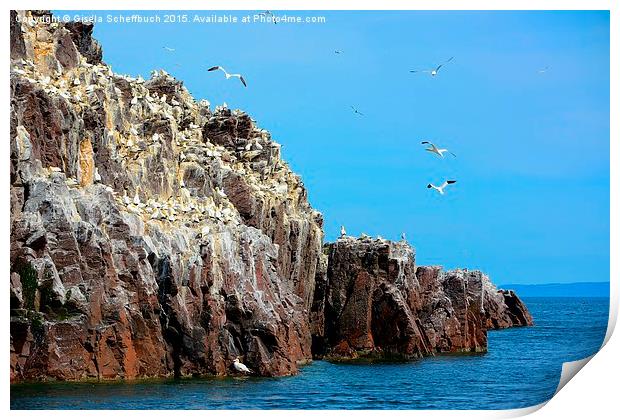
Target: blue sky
(531,204)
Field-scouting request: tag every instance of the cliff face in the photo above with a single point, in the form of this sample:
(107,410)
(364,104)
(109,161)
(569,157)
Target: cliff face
(150,235)
(377,303)
(154,236)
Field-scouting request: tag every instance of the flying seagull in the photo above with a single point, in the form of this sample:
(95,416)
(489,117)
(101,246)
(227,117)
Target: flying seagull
(268,13)
(441,187)
(228,75)
(240,367)
(343,232)
(433,149)
(169,49)
(356,111)
(337,52)
(434,71)
(543,70)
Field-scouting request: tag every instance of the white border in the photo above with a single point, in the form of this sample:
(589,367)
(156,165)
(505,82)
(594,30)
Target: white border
(597,384)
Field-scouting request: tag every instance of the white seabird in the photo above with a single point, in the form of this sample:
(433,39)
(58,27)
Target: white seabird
(240,367)
(268,13)
(228,75)
(169,49)
(343,232)
(441,187)
(434,149)
(433,72)
(543,70)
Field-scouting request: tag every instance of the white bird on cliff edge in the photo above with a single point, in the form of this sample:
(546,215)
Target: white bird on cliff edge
(433,72)
(343,232)
(228,75)
(434,149)
(441,187)
(240,367)
(402,237)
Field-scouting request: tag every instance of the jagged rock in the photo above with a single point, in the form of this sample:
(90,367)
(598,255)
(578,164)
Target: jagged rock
(82,35)
(516,310)
(18,47)
(452,309)
(371,293)
(373,302)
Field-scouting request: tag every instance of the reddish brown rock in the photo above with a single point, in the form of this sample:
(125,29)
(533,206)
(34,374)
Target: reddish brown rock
(376,303)
(370,299)
(132,254)
(516,310)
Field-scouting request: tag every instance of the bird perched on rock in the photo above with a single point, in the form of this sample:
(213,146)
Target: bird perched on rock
(240,367)
(343,232)
(441,187)
(229,75)
(434,149)
(402,237)
(434,71)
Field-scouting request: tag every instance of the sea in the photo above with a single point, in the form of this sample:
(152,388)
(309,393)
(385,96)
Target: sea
(521,368)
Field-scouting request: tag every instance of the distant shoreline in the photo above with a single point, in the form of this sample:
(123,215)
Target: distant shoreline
(579,289)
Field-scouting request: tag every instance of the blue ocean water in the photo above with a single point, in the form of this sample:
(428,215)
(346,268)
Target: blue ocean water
(522,368)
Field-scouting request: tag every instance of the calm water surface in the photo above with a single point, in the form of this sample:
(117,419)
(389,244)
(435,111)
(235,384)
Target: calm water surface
(522,368)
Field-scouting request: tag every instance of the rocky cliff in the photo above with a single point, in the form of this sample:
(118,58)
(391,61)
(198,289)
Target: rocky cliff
(377,304)
(150,235)
(153,236)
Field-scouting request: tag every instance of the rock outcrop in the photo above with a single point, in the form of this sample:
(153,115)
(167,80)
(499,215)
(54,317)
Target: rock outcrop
(153,236)
(150,235)
(377,304)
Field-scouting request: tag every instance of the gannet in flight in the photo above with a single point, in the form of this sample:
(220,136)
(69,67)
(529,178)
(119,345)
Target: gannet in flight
(356,111)
(240,367)
(434,71)
(543,70)
(337,52)
(168,49)
(433,149)
(343,232)
(441,187)
(228,75)
(268,13)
